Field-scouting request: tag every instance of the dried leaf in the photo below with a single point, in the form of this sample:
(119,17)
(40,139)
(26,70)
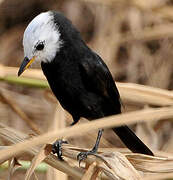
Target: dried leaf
(159,176)
(116,166)
(152,164)
(43,153)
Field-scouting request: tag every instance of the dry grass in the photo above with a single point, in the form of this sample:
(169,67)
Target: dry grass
(114,164)
(135,39)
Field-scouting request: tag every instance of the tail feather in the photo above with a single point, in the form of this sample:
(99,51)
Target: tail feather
(132,141)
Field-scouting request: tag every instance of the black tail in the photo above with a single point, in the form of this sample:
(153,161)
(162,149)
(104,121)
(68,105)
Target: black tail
(132,141)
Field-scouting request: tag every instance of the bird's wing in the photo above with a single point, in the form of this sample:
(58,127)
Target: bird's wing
(97,77)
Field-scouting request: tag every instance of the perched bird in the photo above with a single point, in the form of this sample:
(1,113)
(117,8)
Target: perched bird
(78,77)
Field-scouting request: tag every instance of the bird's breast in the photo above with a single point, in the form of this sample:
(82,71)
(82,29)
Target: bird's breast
(65,83)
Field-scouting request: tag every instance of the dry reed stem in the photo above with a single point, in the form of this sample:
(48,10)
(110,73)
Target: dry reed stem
(148,34)
(69,153)
(151,164)
(141,95)
(165,12)
(155,7)
(138,94)
(159,176)
(137,3)
(108,162)
(146,89)
(144,163)
(107,122)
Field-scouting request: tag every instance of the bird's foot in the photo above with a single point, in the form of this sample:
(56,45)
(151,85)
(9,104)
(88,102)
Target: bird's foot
(83,155)
(57,148)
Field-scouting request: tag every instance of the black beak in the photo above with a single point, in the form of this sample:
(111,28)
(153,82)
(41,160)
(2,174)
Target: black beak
(25,64)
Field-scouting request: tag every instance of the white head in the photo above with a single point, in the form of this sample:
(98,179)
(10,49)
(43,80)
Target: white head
(42,33)
(44,37)
(41,40)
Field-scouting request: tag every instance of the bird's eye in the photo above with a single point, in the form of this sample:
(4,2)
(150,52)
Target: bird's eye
(40,46)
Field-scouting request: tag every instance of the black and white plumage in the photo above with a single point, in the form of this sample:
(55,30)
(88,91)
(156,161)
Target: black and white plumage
(77,76)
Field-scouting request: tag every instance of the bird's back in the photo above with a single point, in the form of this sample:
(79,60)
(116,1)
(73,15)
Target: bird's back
(87,90)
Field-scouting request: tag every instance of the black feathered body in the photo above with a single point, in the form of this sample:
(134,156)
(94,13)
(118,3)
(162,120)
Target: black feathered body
(80,94)
(83,84)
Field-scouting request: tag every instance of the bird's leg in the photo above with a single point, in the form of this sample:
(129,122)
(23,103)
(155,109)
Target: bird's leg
(83,155)
(57,145)
(57,148)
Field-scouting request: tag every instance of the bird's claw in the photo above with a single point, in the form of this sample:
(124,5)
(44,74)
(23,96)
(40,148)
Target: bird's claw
(57,148)
(83,155)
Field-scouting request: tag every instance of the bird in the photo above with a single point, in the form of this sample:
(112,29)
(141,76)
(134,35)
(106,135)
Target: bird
(77,75)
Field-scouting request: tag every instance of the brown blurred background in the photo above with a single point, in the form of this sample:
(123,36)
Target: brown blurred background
(134,37)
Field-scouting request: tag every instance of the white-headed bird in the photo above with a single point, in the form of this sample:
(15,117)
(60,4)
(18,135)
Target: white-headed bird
(78,77)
